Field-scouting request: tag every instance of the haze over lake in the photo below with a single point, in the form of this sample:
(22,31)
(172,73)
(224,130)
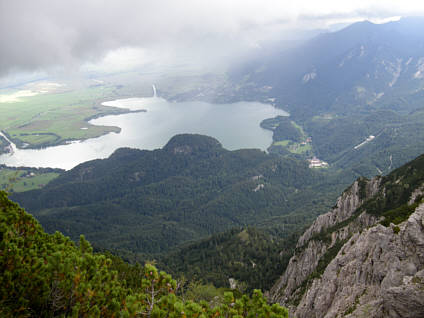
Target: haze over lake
(234,125)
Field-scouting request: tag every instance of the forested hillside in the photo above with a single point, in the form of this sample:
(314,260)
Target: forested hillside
(150,201)
(253,257)
(44,275)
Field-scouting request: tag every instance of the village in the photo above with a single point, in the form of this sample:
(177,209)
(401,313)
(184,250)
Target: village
(317,163)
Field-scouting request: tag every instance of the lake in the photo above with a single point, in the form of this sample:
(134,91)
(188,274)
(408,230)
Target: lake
(234,125)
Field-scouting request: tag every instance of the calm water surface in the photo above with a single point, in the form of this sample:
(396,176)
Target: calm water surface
(234,125)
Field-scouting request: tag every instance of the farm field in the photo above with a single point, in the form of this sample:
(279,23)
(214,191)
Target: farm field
(53,118)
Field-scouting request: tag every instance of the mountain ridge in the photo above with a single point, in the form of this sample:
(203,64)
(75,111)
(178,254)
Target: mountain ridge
(341,246)
(293,77)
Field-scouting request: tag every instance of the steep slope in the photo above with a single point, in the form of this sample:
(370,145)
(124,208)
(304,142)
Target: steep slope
(321,241)
(150,201)
(44,275)
(365,257)
(378,273)
(363,64)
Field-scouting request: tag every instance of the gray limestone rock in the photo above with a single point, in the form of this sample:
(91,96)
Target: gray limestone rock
(378,271)
(311,250)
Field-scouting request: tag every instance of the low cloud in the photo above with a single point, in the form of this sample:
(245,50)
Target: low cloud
(42,34)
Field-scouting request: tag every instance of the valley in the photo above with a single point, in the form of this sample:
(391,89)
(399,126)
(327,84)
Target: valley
(52,118)
(144,123)
(140,201)
(287,183)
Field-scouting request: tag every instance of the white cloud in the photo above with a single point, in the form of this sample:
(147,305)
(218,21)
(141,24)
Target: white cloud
(37,35)
(121,59)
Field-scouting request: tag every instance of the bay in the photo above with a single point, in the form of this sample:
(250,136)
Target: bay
(235,125)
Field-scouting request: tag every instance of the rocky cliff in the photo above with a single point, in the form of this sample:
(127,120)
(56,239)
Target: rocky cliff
(377,273)
(364,258)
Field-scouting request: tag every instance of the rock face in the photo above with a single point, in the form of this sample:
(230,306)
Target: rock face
(312,248)
(346,205)
(378,273)
(349,265)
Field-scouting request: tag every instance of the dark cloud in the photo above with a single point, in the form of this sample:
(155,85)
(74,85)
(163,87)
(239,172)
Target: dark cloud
(39,34)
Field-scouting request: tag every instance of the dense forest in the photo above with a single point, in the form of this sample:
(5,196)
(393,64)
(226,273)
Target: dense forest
(399,138)
(283,129)
(254,258)
(47,275)
(341,139)
(151,201)
(156,205)
(145,205)
(245,254)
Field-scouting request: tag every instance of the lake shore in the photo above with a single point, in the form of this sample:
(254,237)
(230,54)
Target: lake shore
(148,123)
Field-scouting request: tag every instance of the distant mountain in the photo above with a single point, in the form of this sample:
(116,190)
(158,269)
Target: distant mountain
(364,64)
(358,93)
(141,201)
(340,89)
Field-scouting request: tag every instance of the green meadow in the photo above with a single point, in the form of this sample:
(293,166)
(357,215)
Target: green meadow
(294,147)
(20,180)
(53,118)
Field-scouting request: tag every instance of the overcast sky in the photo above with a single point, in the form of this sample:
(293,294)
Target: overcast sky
(41,35)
